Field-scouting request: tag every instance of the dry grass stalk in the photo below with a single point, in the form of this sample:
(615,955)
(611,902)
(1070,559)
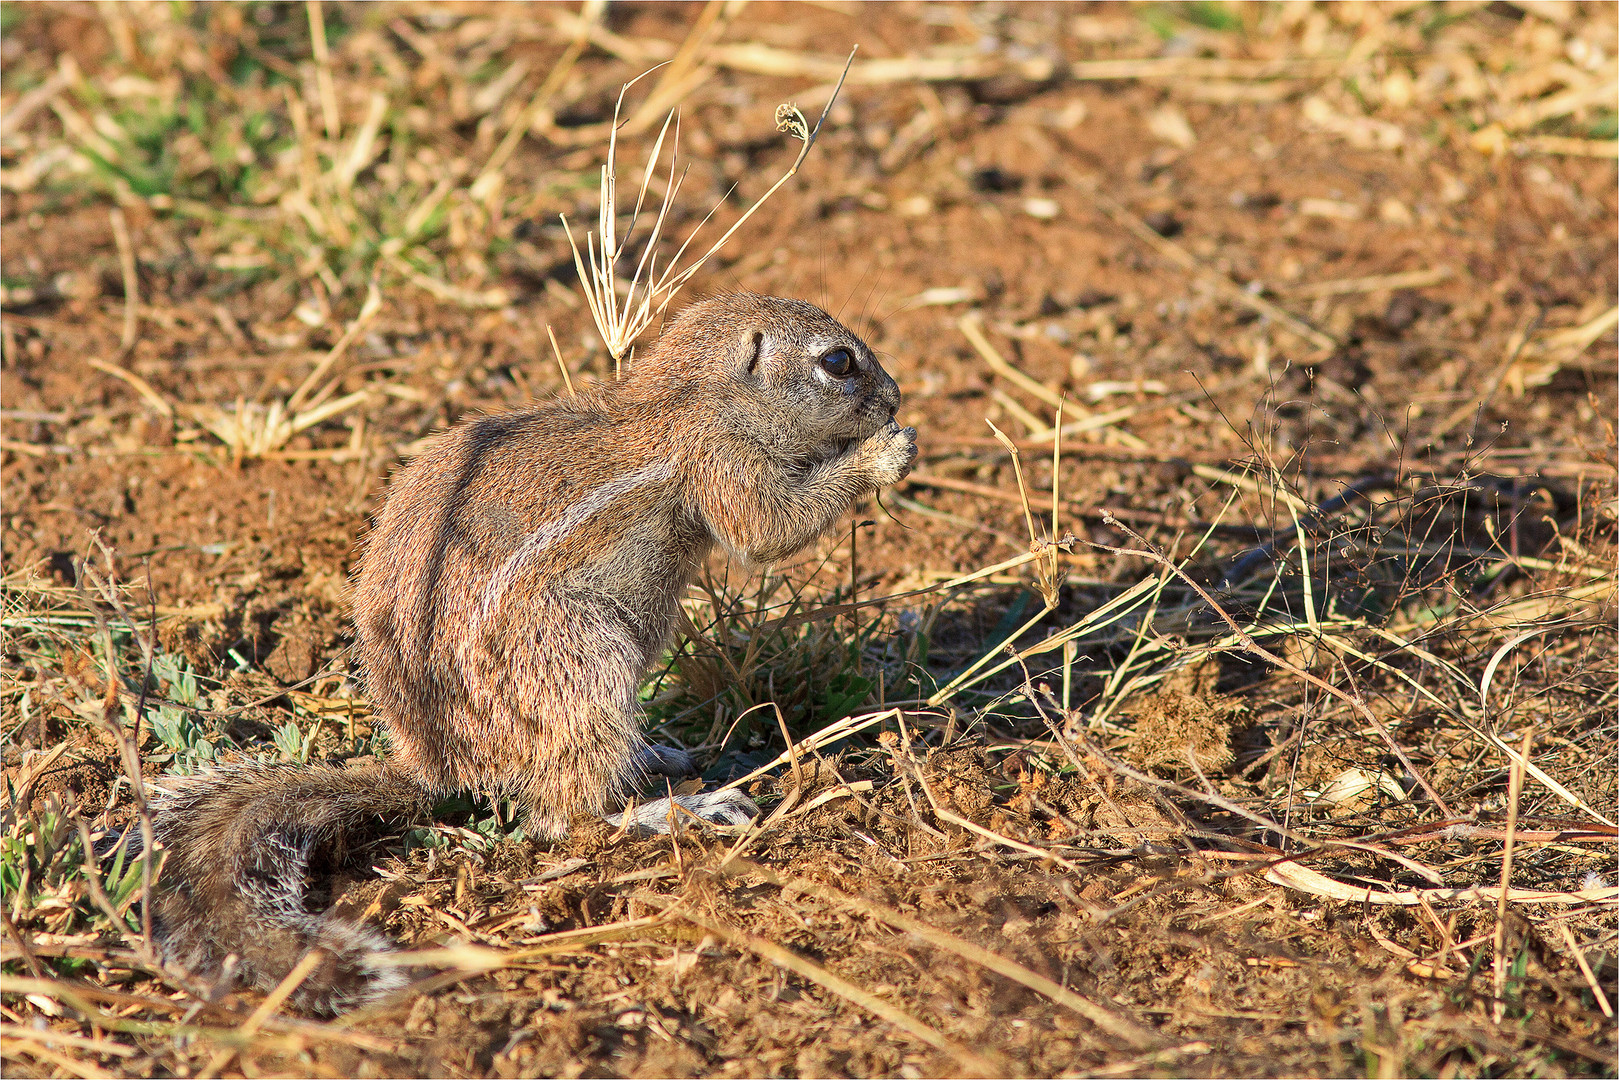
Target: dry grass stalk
(466,959)
(323,70)
(1517,760)
(831,733)
(995,574)
(1047,577)
(1103,1018)
(31,101)
(562,365)
(145,389)
(493,298)
(62,1038)
(972,1061)
(254,431)
(689,66)
(1542,358)
(1305,880)
(1407,279)
(651,292)
(1033,426)
(126,266)
(1284,869)
(1560,145)
(1585,969)
(972,326)
(1514,792)
(1599,89)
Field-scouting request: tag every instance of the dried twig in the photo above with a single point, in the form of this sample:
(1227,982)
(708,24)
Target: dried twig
(1585,970)
(128,752)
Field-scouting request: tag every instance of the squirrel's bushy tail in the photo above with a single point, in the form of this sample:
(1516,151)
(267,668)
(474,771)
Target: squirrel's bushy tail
(239,844)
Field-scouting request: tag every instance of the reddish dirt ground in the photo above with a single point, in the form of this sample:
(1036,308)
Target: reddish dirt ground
(1187,244)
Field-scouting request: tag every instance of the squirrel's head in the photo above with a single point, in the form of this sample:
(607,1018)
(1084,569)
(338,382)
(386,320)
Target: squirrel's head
(787,369)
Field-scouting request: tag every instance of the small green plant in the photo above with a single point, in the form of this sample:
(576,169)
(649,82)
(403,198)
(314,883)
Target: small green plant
(40,858)
(122,880)
(1167,20)
(467,821)
(184,738)
(294,744)
(844,692)
(175,671)
(178,727)
(290,741)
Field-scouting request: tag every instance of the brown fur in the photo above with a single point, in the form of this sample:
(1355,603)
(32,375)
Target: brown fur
(525,572)
(239,844)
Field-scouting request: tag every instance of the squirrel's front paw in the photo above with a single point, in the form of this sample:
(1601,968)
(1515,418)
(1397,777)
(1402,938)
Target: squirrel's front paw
(889,454)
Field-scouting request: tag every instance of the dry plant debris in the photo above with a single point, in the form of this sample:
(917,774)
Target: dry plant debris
(1239,699)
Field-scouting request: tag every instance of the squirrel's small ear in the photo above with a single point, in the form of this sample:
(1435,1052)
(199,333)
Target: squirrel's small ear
(754,351)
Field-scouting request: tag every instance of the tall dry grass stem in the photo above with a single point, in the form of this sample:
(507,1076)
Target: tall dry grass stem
(650,292)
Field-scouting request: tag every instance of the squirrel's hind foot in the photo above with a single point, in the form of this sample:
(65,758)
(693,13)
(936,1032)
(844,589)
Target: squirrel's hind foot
(728,807)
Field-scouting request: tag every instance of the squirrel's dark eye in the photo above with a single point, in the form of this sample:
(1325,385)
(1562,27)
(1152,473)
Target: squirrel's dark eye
(839,363)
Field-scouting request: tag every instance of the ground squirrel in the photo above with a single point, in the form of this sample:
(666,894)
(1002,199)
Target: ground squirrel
(524,573)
